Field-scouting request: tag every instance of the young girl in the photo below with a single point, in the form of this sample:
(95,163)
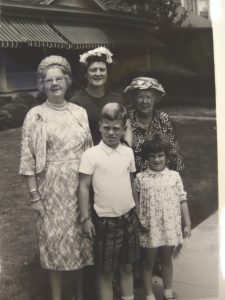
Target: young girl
(163,204)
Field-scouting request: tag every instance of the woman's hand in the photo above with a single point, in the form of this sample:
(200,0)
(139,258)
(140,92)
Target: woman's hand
(89,229)
(38,207)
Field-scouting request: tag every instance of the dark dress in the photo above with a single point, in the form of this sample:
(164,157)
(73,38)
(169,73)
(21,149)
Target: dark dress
(160,123)
(93,107)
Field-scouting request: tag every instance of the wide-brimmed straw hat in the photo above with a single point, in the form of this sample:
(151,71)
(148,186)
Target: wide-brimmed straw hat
(145,83)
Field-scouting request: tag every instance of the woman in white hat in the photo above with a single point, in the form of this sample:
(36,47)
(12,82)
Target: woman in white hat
(95,95)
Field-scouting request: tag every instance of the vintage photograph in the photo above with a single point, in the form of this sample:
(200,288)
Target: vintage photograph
(108,153)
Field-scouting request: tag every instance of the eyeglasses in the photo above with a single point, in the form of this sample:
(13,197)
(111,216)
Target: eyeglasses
(58,80)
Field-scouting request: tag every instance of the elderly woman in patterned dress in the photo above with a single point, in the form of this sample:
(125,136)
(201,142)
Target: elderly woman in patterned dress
(145,119)
(54,136)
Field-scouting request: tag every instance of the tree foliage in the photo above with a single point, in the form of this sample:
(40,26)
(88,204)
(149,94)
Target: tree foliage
(164,12)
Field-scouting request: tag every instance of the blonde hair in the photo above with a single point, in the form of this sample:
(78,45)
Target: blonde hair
(114,111)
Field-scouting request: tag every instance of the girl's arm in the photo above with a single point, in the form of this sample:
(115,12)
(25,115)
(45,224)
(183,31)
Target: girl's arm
(186,219)
(84,199)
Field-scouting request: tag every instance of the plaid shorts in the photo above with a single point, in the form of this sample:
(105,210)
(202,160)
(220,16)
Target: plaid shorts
(116,241)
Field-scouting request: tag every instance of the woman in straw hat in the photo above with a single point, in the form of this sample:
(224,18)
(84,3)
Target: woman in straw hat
(146,93)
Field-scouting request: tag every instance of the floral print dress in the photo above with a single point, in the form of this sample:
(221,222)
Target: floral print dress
(161,123)
(160,215)
(52,144)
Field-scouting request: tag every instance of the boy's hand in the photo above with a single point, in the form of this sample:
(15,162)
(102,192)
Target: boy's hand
(89,229)
(187,231)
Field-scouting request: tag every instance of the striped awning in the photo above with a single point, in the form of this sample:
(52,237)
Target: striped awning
(32,32)
(15,32)
(90,36)
(9,36)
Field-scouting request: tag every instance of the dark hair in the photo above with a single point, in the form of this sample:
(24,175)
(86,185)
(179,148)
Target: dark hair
(94,58)
(155,143)
(84,68)
(114,111)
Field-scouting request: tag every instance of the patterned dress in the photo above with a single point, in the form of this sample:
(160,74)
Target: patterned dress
(160,123)
(160,214)
(61,136)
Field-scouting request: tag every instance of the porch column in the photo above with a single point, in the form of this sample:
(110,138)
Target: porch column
(3,72)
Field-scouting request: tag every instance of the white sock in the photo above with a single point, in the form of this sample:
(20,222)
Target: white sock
(168,293)
(127,297)
(150,297)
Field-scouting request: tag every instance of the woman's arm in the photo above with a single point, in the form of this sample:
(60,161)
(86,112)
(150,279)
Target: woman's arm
(134,190)
(35,198)
(176,159)
(84,200)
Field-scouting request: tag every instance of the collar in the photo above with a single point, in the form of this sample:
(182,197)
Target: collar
(163,172)
(108,150)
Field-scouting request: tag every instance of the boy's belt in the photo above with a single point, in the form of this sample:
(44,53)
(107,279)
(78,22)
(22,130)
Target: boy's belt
(123,217)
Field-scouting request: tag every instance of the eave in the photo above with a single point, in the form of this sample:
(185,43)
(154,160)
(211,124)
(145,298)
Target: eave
(69,13)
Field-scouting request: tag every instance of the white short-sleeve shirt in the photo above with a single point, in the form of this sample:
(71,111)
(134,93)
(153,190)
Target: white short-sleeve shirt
(111,170)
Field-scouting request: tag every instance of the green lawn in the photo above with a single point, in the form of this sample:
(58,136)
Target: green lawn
(21,276)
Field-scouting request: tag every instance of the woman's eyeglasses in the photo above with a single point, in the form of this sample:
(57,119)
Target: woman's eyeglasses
(57,80)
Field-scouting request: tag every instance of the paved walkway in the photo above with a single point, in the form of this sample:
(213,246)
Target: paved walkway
(196,273)
(199,118)
(196,269)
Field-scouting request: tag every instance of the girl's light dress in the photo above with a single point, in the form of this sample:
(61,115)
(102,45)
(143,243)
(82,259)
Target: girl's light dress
(160,214)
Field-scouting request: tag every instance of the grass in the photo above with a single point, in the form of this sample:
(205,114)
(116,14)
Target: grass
(21,276)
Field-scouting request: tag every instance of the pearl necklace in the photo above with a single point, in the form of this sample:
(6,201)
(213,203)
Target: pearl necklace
(60,106)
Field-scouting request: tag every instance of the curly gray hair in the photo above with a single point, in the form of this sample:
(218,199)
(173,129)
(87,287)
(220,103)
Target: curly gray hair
(53,61)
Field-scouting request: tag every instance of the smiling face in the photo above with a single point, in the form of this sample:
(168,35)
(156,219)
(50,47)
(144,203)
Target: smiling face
(157,160)
(111,132)
(54,83)
(97,74)
(144,100)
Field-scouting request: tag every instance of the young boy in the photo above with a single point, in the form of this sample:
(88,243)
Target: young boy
(114,225)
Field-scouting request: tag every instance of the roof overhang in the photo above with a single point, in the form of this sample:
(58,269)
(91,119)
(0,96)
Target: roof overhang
(72,28)
(13,8)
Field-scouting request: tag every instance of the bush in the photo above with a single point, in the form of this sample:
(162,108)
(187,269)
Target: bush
(12,114)
(4,100)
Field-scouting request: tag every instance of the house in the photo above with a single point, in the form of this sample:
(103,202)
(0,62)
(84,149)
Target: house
(198,7)
(33,29)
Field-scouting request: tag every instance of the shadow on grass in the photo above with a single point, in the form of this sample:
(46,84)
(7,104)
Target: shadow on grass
(199,146)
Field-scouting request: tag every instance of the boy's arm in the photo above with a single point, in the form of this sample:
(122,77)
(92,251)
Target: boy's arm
(186,219)
(84,198)
(128,136)
(134,190)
